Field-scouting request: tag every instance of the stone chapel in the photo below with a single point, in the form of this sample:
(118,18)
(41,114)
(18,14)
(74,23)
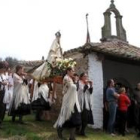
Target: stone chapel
(113,57)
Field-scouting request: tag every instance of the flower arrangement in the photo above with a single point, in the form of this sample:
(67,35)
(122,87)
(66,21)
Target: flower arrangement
(60,66)
(63,64)
(53,71)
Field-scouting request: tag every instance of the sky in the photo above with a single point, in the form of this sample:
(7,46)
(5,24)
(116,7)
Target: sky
(28,27)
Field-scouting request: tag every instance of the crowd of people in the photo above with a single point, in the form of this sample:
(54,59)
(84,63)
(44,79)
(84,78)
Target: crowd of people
(19,95)
(76,109)
(120,109)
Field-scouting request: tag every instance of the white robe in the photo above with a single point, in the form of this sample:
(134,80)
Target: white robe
(43,91)
(44,70)
(41,72)
(35,91)
(20,92)
(84,97)
(8,91)
(4,78)
(70,99)
(55,51)
(10,79)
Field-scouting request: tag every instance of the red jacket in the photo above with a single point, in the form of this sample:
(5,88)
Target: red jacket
(123,102)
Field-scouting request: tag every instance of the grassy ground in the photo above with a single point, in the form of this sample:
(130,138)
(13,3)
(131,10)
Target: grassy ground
(33,130)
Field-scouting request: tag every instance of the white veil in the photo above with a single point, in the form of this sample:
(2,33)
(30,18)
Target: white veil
(55,52)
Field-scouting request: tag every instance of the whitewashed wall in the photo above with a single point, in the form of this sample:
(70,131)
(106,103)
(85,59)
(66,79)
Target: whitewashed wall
(95,73)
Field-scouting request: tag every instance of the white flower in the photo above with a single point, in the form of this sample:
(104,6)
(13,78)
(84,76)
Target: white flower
(69,65)
(74,63)
(54,55)
(70,59)
(58,60)
(66,60)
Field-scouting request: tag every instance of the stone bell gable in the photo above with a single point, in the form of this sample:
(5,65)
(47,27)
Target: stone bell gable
(107,30)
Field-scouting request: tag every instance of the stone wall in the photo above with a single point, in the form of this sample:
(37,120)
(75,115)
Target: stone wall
(82,62)
(57,105)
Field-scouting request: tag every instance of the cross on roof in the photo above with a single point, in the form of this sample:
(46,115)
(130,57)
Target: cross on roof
(112,1)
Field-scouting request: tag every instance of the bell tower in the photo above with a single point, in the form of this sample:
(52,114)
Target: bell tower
(107,30)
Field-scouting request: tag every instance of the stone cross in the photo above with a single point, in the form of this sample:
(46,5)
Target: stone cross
(112,1)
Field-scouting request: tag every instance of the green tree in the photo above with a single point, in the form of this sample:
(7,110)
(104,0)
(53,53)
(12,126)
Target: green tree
(11,61)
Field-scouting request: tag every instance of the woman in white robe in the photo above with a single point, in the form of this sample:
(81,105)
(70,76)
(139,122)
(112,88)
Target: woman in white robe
(4,77)
(85,89)
(20,104)
(3,83)
(70,110)
(40,100)
(8,89)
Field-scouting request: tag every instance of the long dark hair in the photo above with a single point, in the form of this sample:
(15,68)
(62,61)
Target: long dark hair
(82,74)
(18,67)
(66,71)
(75,74)
(3,65)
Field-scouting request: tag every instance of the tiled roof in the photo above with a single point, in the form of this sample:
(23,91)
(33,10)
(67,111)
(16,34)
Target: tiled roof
(116,48)
(30,66)
(30,63)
